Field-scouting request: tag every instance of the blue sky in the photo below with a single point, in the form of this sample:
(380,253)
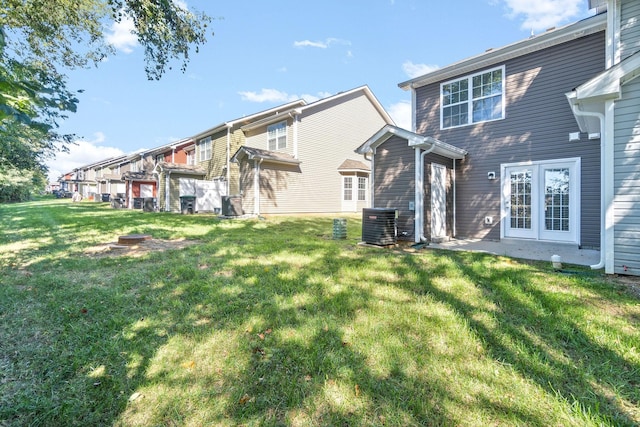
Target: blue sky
(266,53)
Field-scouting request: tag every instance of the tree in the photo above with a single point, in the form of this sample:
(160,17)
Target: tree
(39,40)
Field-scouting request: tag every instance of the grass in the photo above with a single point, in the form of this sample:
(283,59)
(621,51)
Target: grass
(272,322)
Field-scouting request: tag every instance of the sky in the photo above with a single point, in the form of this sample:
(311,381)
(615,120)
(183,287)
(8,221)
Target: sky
(266,53)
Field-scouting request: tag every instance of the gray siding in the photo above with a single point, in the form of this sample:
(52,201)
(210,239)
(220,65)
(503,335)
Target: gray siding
(627,181)
(629,28)
(394,187)
(536,127)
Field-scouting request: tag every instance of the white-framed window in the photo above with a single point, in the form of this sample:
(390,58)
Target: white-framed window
(362,188)
(472,99)
(191,157)
(159,158)
(347,188)
(277,136)
(204,148)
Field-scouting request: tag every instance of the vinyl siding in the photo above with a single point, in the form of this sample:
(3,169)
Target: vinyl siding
(629,28)
(627,181)
(394,187)
(327,134)
(538,120)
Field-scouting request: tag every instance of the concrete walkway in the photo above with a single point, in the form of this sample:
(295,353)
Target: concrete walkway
(525,249)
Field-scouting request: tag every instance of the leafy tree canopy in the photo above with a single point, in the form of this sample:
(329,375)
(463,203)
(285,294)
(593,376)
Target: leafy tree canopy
(41,39)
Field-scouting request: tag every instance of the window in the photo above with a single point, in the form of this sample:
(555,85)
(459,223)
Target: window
(362,188)
(191,157)
(472,99)
(348,188)
(277,136)
(204,146)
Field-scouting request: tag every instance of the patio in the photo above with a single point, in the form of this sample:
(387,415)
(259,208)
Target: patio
(525,249)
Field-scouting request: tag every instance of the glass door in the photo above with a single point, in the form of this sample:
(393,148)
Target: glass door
(540,201)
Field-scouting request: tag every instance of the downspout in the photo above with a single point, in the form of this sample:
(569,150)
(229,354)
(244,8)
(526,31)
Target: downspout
(419,195)
(606,196)
(453,183)
(228,177)
(167,193)
(256,187)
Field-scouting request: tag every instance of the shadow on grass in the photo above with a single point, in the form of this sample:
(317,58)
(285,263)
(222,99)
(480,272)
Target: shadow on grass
(262,324)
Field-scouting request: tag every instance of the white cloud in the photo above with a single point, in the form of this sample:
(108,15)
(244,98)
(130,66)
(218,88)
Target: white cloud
(267,95)
(400,112)
(321,44)
(414,70)
(542,14)
(274,95)
(121,35)
(82,153)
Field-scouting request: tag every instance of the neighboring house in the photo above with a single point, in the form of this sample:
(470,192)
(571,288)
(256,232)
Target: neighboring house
(174,163)
(496,151)
(300,158)
(139,181)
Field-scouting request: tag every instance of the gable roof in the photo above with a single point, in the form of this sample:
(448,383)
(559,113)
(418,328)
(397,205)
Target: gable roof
(353,165)
(415,141)
(282,113)
(251,153)
(605,86)
(181,168)
(251,118)
(491,57)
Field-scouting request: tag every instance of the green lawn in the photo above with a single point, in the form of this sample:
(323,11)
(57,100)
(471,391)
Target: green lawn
(273,322)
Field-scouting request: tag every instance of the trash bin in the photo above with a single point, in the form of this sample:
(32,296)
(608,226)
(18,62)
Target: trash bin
(137,202)
(187,204)
(118,203)
(149,204)
(231,205)
(106,197)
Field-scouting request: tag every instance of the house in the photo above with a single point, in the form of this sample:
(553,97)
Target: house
(175,163)
(300,158)
(496,151)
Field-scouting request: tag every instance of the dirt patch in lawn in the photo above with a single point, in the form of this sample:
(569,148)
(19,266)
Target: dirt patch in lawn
(630,282)
(137,250)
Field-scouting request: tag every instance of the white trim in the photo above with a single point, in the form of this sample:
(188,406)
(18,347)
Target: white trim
(537,231)
(470,99)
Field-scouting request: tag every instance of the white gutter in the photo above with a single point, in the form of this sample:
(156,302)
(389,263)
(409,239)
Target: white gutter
(229,126)
(606,183)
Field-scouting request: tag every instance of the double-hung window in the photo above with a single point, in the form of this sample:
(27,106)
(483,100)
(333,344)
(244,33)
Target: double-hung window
(347,190)
(362,188)
(472,99)
(277,136)
(204,146)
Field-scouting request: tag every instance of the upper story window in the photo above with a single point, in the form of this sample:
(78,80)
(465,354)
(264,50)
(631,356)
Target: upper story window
(277,136)
(204,148)
(472,99)
(191,157)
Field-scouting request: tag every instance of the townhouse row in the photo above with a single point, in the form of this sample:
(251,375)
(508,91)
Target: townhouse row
(298,157)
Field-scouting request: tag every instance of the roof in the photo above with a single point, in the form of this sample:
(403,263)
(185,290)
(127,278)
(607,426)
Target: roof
(251,153)
(353,165)
(250,118)
(181,168)
(491,57)
(415,141)
(280,112)
(605,86)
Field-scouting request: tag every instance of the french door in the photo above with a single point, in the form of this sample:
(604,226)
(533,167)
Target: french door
(541,200)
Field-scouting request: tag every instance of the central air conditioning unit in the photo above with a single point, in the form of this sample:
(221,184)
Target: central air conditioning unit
(379,226)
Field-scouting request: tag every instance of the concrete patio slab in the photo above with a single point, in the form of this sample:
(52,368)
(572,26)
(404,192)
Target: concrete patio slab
(525,249)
